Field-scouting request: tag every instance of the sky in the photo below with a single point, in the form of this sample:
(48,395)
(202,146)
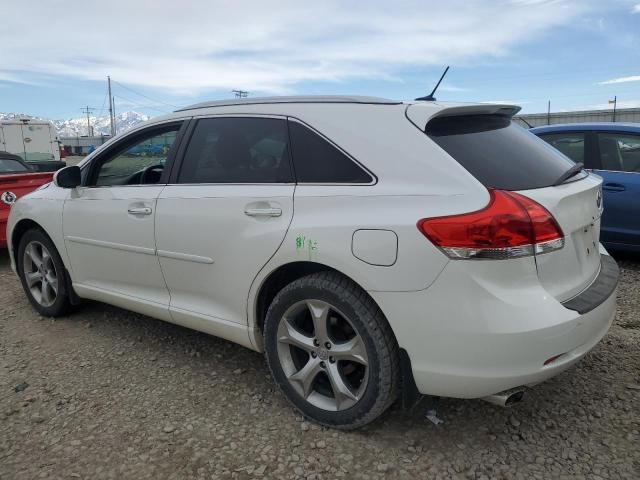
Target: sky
(55,55)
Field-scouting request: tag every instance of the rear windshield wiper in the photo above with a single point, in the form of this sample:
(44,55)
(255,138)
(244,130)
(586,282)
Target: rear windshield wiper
(574,170)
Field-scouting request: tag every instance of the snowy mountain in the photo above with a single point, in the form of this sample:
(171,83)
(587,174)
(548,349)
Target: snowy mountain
(78,126)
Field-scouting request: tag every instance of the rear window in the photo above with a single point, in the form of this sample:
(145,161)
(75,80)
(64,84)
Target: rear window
(497,152)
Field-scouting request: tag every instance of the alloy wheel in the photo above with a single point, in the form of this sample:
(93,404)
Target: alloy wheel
(40,273)
(322,355)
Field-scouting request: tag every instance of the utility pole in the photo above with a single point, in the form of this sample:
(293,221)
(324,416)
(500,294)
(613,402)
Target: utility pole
(88,110)
(615,103)
(111,115)
(549,112)
(115,125)
(240,93)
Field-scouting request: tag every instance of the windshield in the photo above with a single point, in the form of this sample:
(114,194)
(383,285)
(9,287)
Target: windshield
(499,153)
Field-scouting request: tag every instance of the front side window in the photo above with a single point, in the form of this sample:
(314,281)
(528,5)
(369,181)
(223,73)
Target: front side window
(139,163)
(571,144)
(237,150)
(317,161)
(619,152)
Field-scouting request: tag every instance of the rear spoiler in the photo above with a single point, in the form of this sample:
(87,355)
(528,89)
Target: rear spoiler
(421,113)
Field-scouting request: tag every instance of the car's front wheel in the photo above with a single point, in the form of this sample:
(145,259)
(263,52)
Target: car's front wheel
(42,274)
(331,351)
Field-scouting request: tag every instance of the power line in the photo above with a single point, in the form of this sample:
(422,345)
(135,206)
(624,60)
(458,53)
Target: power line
(101,111)
(143,95)
(141,105)
(240,93)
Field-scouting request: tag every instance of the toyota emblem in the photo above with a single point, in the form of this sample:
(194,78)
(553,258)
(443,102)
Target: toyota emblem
(9,198)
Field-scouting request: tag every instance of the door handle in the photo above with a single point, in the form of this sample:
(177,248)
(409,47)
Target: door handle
(139,211)
(614,187)
(263,212)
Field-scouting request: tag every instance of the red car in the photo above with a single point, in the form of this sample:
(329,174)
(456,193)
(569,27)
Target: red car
(16,179)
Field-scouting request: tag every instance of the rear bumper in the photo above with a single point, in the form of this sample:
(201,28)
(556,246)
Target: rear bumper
(599,291)
(470,336)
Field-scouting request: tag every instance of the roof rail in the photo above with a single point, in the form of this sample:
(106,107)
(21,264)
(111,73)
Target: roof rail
(294,99)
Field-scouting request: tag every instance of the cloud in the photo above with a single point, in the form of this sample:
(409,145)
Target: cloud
(191,47)
(9,77)
(635,8)
(633,78)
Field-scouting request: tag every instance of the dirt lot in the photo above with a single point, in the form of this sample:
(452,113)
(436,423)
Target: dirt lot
(109,394)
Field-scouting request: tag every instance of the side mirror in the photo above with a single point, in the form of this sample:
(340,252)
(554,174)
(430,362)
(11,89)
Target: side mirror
(68,177)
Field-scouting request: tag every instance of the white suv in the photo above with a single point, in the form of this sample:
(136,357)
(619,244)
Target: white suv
(372,249)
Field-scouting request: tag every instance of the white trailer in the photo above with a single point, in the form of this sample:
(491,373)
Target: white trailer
(33,140)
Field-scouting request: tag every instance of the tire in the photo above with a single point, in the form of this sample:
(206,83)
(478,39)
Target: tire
(360,361)
(41,270)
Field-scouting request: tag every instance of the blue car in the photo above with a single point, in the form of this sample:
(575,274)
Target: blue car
(611,150)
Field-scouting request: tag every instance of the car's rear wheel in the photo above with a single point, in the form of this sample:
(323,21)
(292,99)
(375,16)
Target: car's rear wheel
(42,274)
(331,351)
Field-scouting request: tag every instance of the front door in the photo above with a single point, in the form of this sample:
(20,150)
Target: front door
(109,222)
(224,214)
(619,155)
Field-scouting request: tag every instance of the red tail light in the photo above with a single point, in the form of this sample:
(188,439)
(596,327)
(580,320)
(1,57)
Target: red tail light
(510,226)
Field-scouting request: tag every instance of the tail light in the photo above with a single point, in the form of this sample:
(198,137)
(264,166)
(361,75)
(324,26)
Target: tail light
(510,226)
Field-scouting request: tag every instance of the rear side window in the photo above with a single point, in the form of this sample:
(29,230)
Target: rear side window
(237,150)
(619,152)
(497,152)
(571,144)
(317,161)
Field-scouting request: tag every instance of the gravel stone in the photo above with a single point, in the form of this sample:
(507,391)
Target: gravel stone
(134,397)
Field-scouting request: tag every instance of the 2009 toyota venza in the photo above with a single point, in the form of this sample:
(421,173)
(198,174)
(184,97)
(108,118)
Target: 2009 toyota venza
(372,249)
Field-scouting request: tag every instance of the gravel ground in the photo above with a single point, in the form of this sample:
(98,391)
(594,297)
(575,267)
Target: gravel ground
(106,393)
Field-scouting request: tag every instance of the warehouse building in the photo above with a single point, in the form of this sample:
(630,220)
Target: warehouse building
(621,115)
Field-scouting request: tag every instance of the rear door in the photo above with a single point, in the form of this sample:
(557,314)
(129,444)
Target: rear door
(504,156)
(225,213)
(38,143)
(619,155)
(13,142)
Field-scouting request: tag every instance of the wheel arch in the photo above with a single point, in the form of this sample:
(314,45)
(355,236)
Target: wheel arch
(22,227)
(276,280)
(18,231)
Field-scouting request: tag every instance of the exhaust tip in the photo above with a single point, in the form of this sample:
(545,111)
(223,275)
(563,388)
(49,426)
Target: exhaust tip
(507,398)
(514,398)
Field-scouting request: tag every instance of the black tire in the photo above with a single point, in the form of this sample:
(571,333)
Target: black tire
(383,376)
(61,304)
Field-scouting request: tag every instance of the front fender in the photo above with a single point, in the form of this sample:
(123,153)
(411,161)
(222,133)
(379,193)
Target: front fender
(43,208)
